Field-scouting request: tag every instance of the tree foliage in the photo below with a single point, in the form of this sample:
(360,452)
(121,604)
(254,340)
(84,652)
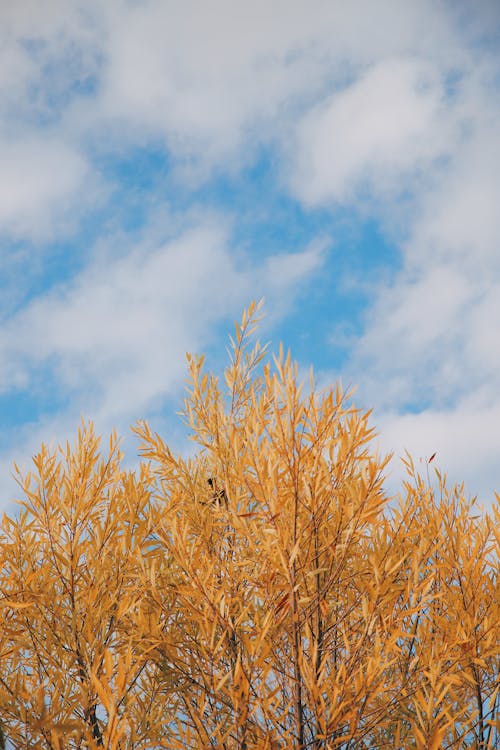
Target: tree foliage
(264,593)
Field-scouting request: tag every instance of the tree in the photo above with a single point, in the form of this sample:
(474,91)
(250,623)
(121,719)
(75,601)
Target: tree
(69,579)
(263,593)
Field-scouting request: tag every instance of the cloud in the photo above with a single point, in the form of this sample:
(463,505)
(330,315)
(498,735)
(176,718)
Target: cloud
(47,58)
(429,355)
(435,327)
(285,270)
(215,81)
(39,180)
(464,438)
(374,135)
(117,335)
(458,219)
(211,83)
(414,327)
(209,79)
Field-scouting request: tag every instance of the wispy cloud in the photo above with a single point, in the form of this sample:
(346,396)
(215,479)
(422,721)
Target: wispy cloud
(373,137)
(117,334)
(41,181)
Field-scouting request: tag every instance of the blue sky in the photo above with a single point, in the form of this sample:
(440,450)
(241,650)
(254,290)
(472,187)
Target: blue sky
(164,163)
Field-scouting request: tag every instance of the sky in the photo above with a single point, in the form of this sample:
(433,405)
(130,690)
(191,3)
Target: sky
(164,163)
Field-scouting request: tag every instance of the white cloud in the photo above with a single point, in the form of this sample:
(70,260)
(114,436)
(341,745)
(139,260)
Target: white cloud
(46,179)
(212,78)
(465,439)
(213,81)
(437,322)
(458,219)
(50,56)
(39,180)
(413,329)
(482,340)
(431,342)
(207,77)
(373,135)
(119,333)
(286,270)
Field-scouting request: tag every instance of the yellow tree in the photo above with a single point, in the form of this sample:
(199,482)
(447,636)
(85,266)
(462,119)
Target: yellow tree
(68,673)
(263,593)
(448,671)
(290,602)
(456,640)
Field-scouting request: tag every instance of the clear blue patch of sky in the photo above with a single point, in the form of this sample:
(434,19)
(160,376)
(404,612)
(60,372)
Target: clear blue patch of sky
(139,176)
(137,170)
